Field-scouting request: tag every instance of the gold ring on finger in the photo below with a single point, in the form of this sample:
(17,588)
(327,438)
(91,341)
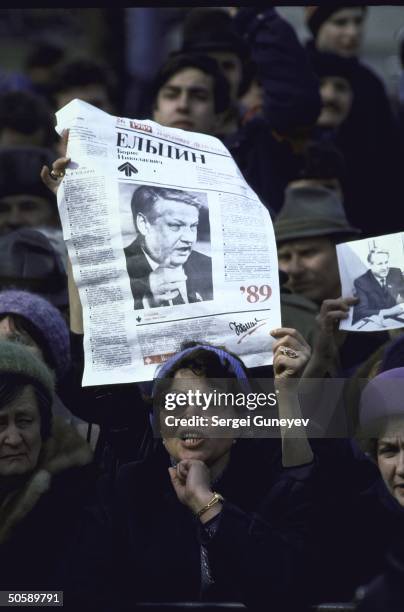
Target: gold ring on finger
(57,175)
(288,352)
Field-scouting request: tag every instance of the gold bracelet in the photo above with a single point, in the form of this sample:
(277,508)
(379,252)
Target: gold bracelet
(215,499)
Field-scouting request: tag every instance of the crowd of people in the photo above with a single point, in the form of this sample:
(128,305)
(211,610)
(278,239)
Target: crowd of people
(91,502)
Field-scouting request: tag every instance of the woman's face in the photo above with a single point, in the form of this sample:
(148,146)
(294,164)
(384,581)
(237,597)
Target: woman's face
(189,443)
(342,32)
(390,459)
(20,434)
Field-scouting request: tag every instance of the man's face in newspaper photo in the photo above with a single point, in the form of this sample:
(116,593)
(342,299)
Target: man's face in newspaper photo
(186,101)
(169,231)
(379,264)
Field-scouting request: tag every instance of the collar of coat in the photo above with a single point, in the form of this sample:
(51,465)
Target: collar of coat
(64,449)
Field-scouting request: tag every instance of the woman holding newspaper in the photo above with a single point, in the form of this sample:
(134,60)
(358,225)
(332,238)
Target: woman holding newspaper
(196,520)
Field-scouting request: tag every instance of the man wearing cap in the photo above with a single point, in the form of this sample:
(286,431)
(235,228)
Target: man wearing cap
(368,135)
(311,222)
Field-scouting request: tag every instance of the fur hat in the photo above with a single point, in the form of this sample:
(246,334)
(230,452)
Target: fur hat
(47,322)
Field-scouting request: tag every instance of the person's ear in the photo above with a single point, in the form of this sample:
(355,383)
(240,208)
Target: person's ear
(142,224)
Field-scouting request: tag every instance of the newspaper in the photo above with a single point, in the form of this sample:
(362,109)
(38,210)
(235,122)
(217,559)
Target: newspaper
(167,242)
(372,270)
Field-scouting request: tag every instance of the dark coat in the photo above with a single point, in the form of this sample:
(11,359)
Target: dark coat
(255,555)
(373,297)
(198,269)
(346,548)
(369,141)
(40,524)
(386,590)
(291,101)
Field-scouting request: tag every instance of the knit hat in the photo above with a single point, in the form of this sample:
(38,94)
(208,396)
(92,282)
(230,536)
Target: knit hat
(311,211)
(20,169)
(315,16)
(327,64)
(28,261)
(17,359)
(48,323)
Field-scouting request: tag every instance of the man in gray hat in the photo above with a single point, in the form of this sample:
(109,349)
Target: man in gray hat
(309,225)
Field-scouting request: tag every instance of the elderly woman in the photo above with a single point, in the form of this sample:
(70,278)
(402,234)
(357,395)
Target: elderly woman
(31,320)
(382,428)
(45,477)
(210,516)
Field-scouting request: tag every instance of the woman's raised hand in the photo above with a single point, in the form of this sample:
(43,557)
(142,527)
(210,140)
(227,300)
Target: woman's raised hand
(291,352)
(53,178)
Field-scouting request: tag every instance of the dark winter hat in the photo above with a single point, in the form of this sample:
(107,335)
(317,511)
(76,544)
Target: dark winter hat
(211,29)
(49,326)
(316,15)
(311,211)
(26,113)
(322,160)
(28,261)
(20,169)
(15,359)
(332,65)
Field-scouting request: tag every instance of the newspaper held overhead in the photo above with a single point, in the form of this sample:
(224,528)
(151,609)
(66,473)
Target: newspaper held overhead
(167,242)
(372,270)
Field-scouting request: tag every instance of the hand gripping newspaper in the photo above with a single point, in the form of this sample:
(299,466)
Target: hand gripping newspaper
(167,243)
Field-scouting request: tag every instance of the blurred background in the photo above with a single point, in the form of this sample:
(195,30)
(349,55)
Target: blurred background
(135,41)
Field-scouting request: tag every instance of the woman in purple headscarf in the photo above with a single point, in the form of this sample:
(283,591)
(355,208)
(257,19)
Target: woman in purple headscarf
(382,426)
(212,515)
